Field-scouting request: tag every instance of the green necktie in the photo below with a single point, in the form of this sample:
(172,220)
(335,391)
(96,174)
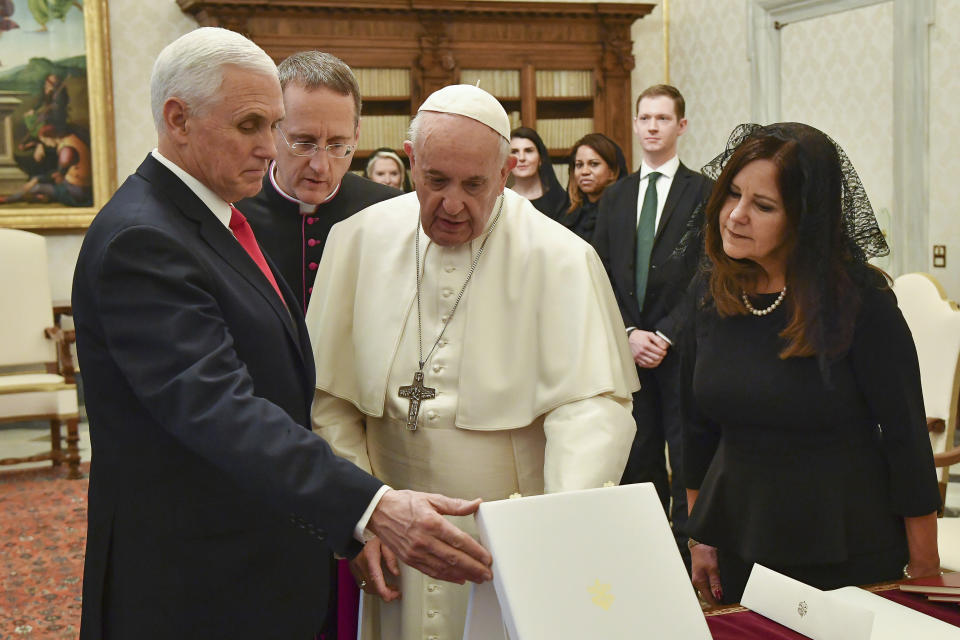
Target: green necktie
(646,230)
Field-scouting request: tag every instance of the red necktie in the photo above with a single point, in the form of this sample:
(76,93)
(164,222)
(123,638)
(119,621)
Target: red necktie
(241,229)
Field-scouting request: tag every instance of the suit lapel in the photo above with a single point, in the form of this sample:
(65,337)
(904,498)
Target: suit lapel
(626,223)
(681,182)
(223,242)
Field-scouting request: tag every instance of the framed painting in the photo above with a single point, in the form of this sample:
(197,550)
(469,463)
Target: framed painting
(57,156)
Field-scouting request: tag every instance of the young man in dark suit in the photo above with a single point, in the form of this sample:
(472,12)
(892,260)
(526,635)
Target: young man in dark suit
(212,505)
(641,220)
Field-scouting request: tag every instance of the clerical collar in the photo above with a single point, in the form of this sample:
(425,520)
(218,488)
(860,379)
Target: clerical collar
(305,207)
(215,203)
(668,168)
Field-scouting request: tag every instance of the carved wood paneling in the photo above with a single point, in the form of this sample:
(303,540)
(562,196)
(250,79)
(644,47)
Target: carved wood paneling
(436,38)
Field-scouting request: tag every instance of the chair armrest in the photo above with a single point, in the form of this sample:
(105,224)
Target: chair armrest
(64,358)
(947,458)
(936,425)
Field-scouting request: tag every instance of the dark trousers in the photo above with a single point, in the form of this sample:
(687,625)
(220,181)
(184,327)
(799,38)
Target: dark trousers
(656,410)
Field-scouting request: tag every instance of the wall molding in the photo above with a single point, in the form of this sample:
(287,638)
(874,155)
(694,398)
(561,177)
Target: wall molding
(911,76)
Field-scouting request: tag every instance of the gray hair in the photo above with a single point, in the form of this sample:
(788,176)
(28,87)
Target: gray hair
(413,133)
(191,68)
(318,70)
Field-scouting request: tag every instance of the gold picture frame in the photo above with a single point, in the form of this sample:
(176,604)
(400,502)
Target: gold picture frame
(77,167)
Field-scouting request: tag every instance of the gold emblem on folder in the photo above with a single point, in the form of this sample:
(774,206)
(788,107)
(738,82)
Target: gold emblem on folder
(601,595)
(802,608)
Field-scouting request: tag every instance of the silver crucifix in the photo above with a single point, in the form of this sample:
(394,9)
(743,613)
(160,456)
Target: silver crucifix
(416,392)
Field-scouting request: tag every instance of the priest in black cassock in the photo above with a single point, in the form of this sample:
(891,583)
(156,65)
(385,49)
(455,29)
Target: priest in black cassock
(308,188)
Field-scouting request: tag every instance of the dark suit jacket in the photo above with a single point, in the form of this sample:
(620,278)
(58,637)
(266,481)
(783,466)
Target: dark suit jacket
(211,503)
(615,240)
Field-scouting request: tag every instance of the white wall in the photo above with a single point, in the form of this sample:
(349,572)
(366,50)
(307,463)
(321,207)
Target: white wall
(837,75)
(944,137)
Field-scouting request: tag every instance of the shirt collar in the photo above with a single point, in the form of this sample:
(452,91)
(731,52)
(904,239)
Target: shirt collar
(668,168)
(305,207)
(219,207)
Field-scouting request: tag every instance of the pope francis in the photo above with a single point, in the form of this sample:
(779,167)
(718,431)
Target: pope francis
(465,344)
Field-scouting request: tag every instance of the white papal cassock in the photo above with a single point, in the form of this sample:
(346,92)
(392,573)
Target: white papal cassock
(533,374)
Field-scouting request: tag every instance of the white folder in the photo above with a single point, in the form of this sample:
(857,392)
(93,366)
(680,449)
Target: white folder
(849,613)
(599,563)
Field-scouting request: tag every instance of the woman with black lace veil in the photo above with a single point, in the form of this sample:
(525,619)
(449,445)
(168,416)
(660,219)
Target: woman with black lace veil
(533,176)
(805,439)
(596,162)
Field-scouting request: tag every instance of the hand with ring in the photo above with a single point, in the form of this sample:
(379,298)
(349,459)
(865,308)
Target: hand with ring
(368,570)
(704,572)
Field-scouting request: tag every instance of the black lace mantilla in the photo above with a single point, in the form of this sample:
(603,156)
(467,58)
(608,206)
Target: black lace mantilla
(862,234)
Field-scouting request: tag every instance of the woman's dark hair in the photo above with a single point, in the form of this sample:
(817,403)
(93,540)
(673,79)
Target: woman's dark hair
(609,152)
(824,263)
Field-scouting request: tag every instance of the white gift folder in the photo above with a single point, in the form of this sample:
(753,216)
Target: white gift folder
(849,613)
(599,564)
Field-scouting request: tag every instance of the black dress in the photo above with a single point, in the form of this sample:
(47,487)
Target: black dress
(809,481)
(582,220)
(554,201)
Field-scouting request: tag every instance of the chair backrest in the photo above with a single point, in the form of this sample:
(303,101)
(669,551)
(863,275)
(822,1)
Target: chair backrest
(934,322)
(27,308)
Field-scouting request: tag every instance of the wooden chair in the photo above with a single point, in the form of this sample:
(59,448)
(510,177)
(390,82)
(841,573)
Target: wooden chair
(36,366)
(934,322)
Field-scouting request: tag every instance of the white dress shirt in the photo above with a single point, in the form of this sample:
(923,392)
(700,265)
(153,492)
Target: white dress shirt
(667,171)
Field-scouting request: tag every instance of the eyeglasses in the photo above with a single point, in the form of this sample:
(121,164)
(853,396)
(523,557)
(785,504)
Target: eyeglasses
(338,150)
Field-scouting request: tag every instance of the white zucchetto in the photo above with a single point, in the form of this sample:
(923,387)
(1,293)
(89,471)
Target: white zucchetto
(471,102)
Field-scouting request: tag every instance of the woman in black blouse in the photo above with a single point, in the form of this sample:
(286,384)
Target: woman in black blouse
(596,162)
(533,177)
(805,443)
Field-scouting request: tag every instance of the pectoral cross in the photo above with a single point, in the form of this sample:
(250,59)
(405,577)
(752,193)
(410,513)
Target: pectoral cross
(416,392)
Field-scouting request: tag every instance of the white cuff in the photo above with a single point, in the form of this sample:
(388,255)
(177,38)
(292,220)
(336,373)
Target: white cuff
(669,341)
(360,531)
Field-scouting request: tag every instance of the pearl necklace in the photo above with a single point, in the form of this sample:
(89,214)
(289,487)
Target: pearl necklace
(763,312)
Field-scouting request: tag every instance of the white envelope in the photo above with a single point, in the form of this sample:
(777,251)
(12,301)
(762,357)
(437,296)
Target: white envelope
(599,563)
(803,608)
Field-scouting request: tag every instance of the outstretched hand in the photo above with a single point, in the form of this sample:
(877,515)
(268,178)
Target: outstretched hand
(411,524)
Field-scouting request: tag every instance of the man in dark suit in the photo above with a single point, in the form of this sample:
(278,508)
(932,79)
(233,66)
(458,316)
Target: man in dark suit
(212,505)
(308,188)
(640,222)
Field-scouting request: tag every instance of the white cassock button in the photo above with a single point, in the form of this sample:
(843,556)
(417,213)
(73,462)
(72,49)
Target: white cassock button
(444,317)
(432,414)
(443,342)
(449,268)
(437,368)
(432,587)
(432,613)
(447,293)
